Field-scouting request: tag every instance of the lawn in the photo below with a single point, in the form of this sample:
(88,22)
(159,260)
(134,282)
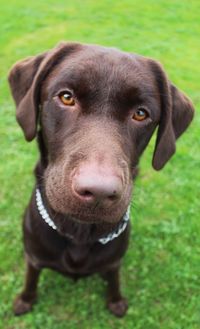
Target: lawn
(161,270)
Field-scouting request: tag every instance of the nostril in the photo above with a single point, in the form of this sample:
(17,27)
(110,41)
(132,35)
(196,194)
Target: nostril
(86,193)
(113,196)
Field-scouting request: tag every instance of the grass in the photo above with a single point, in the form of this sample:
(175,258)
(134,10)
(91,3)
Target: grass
(161,270)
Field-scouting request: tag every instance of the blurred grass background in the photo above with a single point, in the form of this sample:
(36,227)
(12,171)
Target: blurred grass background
(161,270)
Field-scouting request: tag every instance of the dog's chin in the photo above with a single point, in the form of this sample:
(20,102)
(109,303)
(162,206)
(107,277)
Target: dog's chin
(91,218)
(89,215)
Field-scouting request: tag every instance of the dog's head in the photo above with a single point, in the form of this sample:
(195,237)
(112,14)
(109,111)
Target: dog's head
(97,109)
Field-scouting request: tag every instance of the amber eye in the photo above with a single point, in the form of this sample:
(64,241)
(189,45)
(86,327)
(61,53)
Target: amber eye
(67,98)
(140,114)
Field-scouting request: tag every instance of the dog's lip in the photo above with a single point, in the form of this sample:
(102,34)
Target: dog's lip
(88,215)
(92,217)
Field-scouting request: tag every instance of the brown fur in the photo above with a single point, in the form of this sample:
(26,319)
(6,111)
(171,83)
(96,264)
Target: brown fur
(99,131)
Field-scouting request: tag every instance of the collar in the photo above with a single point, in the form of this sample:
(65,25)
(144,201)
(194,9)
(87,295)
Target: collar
(111,236)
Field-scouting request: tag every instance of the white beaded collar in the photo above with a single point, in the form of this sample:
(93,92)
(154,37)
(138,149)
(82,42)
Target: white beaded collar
(111,236)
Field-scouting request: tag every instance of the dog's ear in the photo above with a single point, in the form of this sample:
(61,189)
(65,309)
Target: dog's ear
(176,114)
(21,79)
(25,80)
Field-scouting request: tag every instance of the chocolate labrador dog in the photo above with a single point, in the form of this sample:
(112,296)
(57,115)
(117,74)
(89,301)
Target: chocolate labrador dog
(93,110)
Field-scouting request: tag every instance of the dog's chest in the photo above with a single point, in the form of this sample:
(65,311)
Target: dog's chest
(71,259)
(77,258)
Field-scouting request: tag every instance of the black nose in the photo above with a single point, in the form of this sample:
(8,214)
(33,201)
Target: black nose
(91,185)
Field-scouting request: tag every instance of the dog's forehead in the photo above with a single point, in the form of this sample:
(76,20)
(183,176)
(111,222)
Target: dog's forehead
(100,58)
(94,65)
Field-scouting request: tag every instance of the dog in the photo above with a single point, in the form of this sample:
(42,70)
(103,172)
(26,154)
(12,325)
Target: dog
(93,111)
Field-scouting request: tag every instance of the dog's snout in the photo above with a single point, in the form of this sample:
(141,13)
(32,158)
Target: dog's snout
(92,185)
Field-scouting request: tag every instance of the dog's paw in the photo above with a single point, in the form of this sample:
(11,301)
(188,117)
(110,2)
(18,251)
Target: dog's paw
(118,308)
(20,306)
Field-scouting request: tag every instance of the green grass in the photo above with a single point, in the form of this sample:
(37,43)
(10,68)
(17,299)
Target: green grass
(161,270)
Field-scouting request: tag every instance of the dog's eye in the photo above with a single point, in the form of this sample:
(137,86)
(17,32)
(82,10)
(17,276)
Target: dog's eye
(67,98)
(140,114)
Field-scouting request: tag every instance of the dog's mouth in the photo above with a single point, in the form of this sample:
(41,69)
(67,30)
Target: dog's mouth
(90,214)
(97,216)
(65,206)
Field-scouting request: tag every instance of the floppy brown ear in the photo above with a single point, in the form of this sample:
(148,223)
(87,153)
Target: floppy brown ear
(176,114)
(21,79)
(25,80)
(182,111)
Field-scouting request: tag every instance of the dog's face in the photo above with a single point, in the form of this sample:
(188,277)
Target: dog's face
(97,109)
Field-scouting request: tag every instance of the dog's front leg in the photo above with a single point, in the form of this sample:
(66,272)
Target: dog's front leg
(115,302)
(24,302)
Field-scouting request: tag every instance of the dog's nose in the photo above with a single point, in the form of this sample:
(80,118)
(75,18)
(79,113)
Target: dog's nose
(92,186)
